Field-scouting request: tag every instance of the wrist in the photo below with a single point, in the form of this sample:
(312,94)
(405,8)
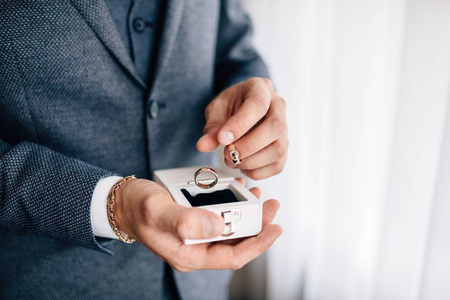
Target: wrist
(123,209)
(116,209)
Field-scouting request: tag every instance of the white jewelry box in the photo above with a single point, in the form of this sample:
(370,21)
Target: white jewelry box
(242,218)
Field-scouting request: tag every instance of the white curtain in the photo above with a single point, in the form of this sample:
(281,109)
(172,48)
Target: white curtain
(365,196)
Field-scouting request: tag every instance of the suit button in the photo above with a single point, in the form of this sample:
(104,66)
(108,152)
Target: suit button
(153,109)
(139,24)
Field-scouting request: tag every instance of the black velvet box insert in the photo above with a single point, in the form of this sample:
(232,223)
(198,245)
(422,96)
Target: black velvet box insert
(217,197)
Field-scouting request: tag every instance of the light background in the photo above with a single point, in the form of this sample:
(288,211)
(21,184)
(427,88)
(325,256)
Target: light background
(365,196)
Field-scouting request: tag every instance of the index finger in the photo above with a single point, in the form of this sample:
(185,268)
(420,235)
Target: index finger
(255,106)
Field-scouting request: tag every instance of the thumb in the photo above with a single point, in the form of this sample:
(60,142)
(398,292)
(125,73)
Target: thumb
(192,223)
(216,114)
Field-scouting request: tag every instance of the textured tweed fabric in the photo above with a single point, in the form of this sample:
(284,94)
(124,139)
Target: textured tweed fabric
(73,110)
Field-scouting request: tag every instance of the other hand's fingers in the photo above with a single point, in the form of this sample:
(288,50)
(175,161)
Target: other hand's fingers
(270,208)
(270,154)
(216,114)
(256,191)
(240,180)
(256,103)
(272,128)
(267,171)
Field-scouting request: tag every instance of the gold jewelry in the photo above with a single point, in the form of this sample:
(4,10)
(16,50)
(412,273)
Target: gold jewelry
(234,154)
(212,182)
(110,209)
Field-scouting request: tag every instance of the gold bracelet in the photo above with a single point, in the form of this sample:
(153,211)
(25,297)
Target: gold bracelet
(110,209)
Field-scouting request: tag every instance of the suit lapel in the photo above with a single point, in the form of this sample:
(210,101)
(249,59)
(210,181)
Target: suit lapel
(174,12)
(98,18)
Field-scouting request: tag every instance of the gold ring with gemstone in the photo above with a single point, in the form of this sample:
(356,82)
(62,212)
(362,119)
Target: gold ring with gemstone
(234,154)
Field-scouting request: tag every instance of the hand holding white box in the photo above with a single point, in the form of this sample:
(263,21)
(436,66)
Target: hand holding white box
(242,218)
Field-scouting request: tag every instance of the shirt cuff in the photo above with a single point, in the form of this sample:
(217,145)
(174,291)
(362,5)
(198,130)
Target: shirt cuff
(99,218)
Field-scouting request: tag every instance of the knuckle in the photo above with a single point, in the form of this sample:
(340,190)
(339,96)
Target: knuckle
(209,126)
(247,147)
(178,262)
(182,225)
(207,129)
(278,125)
(260,102)
(278,167)
(279,149)
(252,174)
(240,123)
(180,268)
(237,266)
(188,263)
(243,165)
(283,102)
(254,80)
(266,81)
(209,108)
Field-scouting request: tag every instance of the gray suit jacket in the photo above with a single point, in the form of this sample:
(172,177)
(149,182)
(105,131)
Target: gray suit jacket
(73,110)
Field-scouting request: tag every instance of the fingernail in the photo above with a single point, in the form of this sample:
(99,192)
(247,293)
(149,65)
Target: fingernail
(226,138)
(210,227)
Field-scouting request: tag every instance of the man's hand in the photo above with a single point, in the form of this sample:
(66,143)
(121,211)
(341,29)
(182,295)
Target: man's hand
(146,212)
(253,117)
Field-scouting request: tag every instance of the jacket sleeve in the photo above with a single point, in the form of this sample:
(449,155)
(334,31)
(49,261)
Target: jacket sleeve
(236,58)
(47,193)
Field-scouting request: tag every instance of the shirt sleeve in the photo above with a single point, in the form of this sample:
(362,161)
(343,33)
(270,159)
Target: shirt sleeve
(47,193)
(99,217)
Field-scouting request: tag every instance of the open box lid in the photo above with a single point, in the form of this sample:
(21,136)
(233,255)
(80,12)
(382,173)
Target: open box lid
(181,176)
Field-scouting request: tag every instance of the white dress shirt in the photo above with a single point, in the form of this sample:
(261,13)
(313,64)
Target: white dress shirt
(99,218)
